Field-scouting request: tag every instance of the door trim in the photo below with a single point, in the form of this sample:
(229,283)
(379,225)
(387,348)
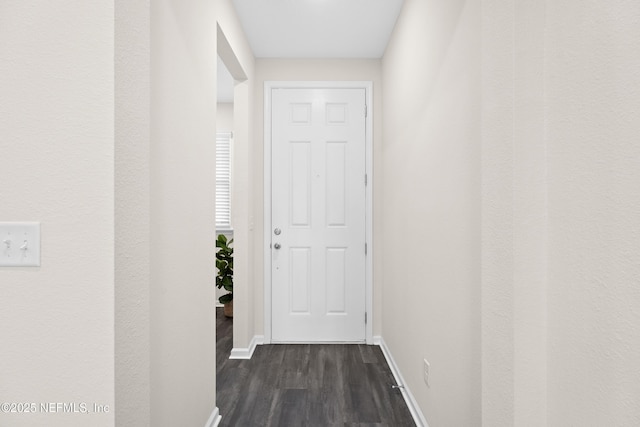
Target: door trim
(368,88)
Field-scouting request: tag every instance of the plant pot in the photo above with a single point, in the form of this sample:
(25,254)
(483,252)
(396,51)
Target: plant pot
(228,309)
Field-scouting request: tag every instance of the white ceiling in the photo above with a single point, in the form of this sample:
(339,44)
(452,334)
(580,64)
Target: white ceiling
(318,28)
(312,29)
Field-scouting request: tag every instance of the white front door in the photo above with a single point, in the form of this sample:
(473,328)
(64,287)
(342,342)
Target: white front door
(318,215)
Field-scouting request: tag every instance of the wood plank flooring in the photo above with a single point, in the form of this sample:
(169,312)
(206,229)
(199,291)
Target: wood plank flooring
(306,385)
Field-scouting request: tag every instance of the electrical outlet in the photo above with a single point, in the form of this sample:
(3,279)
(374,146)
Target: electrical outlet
(426,368)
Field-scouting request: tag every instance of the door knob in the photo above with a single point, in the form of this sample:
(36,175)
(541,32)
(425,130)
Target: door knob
(276,246)
(277,231)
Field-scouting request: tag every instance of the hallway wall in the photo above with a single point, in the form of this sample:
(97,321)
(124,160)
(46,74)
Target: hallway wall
(235,51)
(132,65)
(592,100)
(514,215)
(561,213)
(431,206)
(57,167)
(165,181)
(224,117)
(183,111)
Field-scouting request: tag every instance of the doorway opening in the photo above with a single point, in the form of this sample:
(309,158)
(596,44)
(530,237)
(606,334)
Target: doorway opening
(232,128)
(320,289)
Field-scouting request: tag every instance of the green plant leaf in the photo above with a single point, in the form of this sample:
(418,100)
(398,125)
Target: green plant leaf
(224,265)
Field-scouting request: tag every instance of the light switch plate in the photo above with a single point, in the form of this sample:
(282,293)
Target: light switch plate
(19,244)
(426,371)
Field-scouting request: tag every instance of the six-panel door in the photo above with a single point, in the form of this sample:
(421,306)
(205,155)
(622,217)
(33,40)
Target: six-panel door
(318,215)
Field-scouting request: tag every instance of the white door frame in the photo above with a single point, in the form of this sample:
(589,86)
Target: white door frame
(368,87)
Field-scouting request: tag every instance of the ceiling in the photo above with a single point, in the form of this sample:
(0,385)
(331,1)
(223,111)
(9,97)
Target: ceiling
(312,29)
(318,28)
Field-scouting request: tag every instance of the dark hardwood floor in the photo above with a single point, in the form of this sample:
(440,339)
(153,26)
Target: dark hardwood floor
(306,385)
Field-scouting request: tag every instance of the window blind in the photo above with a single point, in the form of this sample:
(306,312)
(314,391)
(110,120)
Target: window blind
(223,180)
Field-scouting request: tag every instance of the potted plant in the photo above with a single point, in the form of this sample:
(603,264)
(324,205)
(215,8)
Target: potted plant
(224,263)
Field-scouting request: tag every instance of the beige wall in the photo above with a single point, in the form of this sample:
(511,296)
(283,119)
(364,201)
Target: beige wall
(224,117)
(165,318)
(431,206)
(561,209)
(592,96)
(314,70)
(514,212)
(132,213)
(183,94)
(234,49)
(57,150)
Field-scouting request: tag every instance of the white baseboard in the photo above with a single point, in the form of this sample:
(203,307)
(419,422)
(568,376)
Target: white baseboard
(246,353)
(416,413)
(214,418)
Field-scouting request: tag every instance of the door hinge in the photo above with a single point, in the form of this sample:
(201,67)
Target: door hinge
(365,248)
(365,110)
(366,179)
(365,317)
